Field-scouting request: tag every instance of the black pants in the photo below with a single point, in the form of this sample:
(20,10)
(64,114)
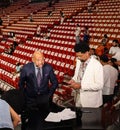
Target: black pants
(107,98)
(36,111)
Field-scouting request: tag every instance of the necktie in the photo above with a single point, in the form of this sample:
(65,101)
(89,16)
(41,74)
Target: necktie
(38,77)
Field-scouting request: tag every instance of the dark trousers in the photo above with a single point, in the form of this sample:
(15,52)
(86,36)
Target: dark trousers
(35,121)
(107,98)
(36,111)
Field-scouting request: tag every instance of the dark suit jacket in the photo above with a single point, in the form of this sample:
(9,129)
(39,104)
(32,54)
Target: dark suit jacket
(28,80)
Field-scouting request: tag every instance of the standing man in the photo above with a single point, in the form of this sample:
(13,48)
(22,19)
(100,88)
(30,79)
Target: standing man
(110,79)
(77,33)
(38,82)
(38,31)
(89,6)
(88,78)
(86,35)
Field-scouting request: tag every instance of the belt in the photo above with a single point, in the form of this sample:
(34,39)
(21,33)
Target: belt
(90,91)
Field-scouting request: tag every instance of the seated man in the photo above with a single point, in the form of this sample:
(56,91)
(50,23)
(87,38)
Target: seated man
(9,119)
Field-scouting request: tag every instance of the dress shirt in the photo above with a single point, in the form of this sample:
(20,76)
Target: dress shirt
(114,50)
(77,32)
(110,78)
(36,70)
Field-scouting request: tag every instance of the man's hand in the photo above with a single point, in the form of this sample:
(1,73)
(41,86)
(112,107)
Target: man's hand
(74,85)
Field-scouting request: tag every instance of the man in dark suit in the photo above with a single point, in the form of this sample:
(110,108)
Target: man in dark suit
(38,82)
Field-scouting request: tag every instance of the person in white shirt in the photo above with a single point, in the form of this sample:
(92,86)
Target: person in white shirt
(77,33)
(114,48)
(117,56)
(9,119)
(62,19)
(89,6)
(47,35)
(38,31)
(110,79)
(88,78)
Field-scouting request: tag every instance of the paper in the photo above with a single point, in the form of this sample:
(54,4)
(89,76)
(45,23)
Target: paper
(53,117)
(66,114)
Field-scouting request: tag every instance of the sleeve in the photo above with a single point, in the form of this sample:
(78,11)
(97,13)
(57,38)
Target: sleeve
(53,81)
(93,79)
(22,80)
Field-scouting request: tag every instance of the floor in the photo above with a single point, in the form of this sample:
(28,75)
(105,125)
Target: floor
(113,127)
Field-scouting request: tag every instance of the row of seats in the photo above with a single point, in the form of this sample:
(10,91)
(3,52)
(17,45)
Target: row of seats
(6,31)
(8,78)
(8,58)
(53,55)
(4,86)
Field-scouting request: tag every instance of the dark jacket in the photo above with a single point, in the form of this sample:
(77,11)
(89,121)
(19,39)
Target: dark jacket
(28,80)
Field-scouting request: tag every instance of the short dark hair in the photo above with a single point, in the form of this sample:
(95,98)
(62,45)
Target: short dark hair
(113,60)
(104,58)
(81,47)
(116,41)
(105,35)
